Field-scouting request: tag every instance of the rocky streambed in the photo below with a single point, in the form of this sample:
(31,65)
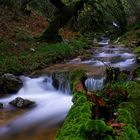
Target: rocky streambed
(51,92)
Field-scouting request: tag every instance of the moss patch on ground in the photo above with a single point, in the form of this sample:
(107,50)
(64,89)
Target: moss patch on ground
(130,38)
(123,98)
(79,124)
(38,57)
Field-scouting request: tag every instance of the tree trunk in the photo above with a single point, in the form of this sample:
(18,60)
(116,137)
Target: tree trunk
(23,7)
(112,74)
(64,14)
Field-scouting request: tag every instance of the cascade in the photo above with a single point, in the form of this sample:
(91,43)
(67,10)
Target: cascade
(51,105)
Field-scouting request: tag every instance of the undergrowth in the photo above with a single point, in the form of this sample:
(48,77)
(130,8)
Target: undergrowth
(40,56)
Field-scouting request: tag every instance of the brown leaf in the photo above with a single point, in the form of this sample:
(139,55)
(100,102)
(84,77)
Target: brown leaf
(79,87)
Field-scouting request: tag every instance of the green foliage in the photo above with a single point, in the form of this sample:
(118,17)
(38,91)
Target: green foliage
(108,137)
(129,133)
(134,26)
(76,121)
(79,45)
(98,126)
(4,45)
(79,124)
(137,50)
(21,35)
(116,91)
(27,60)
(125,116)
(137,74)
(133,89)
(11,3)
(75,77)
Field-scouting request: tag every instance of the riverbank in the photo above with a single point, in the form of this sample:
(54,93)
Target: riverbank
(21,53)
(112,113)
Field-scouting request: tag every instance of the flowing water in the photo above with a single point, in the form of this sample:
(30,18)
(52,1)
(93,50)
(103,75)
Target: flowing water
(106,56)
(51,107)
(41,122)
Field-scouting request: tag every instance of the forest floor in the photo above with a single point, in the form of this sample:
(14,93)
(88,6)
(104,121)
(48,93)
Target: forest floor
(21,52)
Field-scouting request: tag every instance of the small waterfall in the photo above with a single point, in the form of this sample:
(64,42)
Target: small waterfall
(64,87)
(94,84)
(51,105)
(61,82)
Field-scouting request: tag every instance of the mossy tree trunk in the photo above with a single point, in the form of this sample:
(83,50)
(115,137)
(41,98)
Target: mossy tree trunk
(65,13)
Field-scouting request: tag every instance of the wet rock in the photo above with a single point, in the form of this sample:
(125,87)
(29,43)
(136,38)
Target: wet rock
(1,105)
(138,59)
(21,103)
(61,81)
(9,83)
(75,60)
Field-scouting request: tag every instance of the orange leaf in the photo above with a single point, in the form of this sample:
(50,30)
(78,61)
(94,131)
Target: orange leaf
(118,124)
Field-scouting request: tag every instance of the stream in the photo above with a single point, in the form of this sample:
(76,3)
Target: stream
(42,121)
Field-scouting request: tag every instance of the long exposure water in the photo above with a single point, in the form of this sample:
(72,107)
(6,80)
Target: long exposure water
(52,105)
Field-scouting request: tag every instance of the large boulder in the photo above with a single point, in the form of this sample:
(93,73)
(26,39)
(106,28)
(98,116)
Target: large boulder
(9,83)
(21,103)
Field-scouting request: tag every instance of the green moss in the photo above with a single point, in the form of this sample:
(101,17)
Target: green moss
(76,76)
(117,92)
(137,50)
(133,89)
(79,124)
(4,45)
(108,137)
(27,60)
(79,45)
(77,118)
(137,72)
(20,35)
(125,116)
(129,106)
(129,133)
(98,126)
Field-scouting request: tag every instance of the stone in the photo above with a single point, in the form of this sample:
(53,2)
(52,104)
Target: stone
(75,60)
(9,83)
(21,103)
(1,105)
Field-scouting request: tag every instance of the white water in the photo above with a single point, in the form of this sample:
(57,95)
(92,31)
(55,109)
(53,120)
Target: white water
(115,57)
(94,84)
(107,56)
(51,108)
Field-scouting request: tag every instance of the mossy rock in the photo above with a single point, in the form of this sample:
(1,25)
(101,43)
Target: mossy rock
(74,126)
(133,89)
(9,83)
(77,76)
(129,133)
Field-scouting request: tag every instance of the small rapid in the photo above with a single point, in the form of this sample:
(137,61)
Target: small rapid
(107,55)
(53,103)
(51,106)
